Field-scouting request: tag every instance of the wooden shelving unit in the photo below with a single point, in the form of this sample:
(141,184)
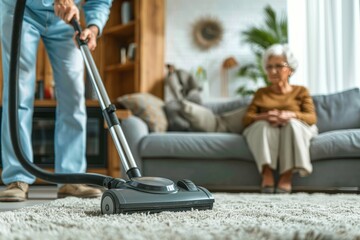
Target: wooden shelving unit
(121,67)
(145,29)
(143,73)
(124,30)
(52,103)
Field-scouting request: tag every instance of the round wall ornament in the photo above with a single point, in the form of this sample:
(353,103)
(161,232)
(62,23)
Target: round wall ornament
(207,32)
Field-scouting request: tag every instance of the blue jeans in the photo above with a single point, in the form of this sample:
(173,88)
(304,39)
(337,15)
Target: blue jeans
(70,128)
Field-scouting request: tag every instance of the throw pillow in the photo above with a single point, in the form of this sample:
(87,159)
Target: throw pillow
(176,122)
(200,118)
(220,107)
(179,85)
(203,119)
(147,107)
(231,121)
(338,111)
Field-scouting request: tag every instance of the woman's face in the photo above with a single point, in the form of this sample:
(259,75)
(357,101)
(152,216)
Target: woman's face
(277,70)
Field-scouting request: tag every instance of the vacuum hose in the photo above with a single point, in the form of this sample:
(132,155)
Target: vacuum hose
(95,179)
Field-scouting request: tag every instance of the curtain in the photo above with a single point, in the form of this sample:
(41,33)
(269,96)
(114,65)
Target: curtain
(325,37)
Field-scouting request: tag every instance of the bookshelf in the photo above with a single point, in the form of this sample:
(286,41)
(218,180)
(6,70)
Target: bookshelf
(144,29)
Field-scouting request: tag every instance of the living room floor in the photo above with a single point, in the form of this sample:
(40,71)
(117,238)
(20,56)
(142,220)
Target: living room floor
(37,194)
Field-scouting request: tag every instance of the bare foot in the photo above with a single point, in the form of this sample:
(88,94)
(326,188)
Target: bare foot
(267,177)
(285,181)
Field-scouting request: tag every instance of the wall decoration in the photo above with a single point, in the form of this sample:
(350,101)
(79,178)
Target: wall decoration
(228,64)
(207,32)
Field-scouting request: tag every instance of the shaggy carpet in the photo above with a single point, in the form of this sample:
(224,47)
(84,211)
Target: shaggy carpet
(234,216)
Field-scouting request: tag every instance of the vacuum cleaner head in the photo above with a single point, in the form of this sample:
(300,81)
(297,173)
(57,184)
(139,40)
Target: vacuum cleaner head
(138,196)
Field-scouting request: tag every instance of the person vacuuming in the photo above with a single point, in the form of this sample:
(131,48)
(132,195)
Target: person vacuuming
(49,20)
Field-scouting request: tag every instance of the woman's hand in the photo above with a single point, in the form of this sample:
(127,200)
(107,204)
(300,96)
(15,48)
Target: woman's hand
(66,10)
(285,116)
(270,116)
(273,117)
(276,117)
(90,35)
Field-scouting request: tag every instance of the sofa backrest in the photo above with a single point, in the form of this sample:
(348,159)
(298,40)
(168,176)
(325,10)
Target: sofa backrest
(334,111)
(338,111)
(219,107)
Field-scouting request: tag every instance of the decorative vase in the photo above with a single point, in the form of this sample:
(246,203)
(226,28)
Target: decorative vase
(201,78)
(125,12)
(205,93)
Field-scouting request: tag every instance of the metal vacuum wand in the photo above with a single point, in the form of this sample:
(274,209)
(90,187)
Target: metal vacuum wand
(107,107)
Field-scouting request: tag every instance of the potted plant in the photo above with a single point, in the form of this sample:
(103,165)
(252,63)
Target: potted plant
(260,38)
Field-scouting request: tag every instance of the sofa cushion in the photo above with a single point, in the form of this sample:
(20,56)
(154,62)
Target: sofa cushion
(338,111)
(180,84)
(147,107)
(231,121)
(336,145)
(203,119)
(195,146)
(200,118)
(176,122)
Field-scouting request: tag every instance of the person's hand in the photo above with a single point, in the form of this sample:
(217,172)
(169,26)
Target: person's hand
(285,116)
(66,10)
(273,117)
(282,118)
(90,35)
(276,118)
(270,116)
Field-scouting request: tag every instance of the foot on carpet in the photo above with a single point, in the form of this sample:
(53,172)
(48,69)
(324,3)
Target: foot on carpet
(15,192)
(267,189)
(78,190)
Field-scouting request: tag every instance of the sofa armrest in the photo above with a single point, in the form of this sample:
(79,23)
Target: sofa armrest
(134,130)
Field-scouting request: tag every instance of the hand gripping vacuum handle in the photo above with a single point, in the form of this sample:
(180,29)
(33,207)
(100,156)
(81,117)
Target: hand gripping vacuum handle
(107,107)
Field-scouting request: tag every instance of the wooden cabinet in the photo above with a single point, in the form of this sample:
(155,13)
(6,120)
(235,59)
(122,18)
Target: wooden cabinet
(145,31)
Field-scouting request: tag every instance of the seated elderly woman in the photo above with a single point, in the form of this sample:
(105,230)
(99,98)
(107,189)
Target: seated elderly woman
(280,123)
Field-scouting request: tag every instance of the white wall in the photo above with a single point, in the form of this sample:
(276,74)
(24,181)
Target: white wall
(236,16)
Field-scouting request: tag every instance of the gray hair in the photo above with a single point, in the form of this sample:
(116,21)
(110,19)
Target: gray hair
(280,50)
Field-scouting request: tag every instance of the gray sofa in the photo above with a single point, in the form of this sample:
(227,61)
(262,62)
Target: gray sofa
(223,162)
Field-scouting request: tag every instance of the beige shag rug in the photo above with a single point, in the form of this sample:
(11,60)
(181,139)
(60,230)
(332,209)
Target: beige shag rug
(235,216)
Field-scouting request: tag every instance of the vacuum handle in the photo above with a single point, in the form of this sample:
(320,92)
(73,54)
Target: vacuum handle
(107,107)
(76,25)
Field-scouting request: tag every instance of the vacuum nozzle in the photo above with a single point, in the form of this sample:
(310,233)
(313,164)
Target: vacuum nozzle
(126,200)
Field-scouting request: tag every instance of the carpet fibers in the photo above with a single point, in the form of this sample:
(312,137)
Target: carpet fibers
(235,216)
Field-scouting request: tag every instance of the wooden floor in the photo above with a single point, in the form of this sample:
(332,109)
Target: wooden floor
(37,195)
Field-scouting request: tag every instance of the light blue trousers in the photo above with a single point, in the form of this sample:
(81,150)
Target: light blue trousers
(68,69)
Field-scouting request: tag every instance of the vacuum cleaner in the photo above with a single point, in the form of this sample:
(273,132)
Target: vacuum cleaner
(137,193)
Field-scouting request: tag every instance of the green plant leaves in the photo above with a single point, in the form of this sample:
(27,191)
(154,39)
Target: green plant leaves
(274,30)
